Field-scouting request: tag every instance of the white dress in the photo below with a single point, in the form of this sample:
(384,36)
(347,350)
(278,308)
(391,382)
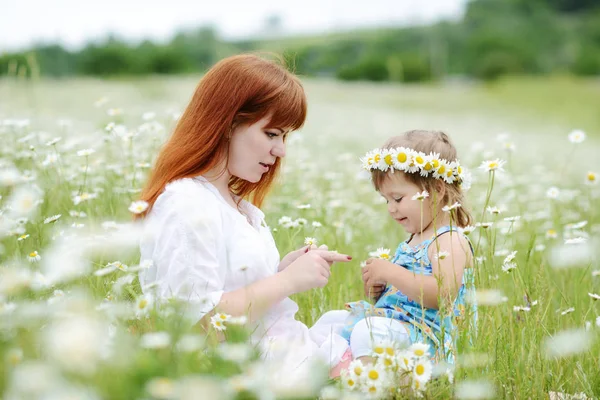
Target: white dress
(202,247)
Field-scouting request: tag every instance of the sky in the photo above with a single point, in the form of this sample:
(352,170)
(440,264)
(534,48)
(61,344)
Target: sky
(73,23)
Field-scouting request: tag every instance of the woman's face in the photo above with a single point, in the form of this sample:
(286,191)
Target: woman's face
(253,150)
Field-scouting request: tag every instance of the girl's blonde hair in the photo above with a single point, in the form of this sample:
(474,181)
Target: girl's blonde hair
(429,142)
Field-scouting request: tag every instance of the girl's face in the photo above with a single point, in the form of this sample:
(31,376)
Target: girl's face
(398,193)
(253,150)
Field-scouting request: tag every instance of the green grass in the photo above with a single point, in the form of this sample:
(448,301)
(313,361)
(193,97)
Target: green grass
(321,169)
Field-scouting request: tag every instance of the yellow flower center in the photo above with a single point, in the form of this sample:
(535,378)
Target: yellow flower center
(441,170)
(402,157)
(419,352)
(373,375)
(419,160)
(388,159)
(493,165)
(449,173)
(377,158)
(358,371)
(32,254)
(142,304)
(378,350)
(390,351)
(420,369)
(436,163)
(428,167)
(591,177)
(351,382)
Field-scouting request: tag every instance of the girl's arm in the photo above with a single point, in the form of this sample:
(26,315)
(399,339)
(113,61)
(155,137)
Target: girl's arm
(427,289)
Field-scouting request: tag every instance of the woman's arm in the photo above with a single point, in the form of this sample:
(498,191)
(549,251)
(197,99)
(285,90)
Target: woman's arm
(426,289)
(308,271)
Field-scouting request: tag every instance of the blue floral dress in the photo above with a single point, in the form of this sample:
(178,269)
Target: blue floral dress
(436,327)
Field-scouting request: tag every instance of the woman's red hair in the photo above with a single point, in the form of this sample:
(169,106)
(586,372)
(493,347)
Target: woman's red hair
(241,89)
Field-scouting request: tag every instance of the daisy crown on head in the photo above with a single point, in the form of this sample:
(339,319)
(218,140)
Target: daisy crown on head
(411,161)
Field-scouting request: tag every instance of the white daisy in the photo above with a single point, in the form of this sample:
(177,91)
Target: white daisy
(51,219)
(310,241)
(576,136)
(451,207)
(22,237)
(401,158)
(594,296)
(138,207)
(421,196)
(419,349)
(405,359)
(467,230)
(553,192)
(85,152)
(357,368)
(507,267)
(442,255)
(591,178)
(422,370)
(493,165)
(34,257)
(381,253)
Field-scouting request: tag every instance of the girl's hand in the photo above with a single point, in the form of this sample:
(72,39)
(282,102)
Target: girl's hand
(376,272)
(374,292)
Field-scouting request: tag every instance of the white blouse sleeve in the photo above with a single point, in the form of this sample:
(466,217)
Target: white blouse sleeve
(187,237)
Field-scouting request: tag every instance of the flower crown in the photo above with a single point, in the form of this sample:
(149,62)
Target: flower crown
(412,161)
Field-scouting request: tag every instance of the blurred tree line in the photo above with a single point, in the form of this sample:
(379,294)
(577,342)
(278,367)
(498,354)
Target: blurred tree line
(495,38)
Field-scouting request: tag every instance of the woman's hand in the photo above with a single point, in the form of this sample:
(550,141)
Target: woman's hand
(294,255)
(376,272)
(311,270)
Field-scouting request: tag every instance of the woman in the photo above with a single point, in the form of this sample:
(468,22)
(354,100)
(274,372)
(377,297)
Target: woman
(209,244)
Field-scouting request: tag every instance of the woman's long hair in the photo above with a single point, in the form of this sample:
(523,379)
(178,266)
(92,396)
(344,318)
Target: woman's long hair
(241,89)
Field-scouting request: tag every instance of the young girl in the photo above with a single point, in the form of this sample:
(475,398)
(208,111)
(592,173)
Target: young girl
(420,292)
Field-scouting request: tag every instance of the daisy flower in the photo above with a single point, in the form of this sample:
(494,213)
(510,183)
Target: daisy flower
(421,196)
(591,178)
(34,257)
(467,230)
(217,323)
(310,241)
(576,136)
(143,304)
(374,374)
(23,237)
(401,158)
(551,234)
(442,255)
(381,253)
(594,296)
(451,207)
(405,360)
(357,368)
(138,207)
(553,192)
(53,218)
(422,370)
(493,165)
(85,152)
(349,380)
(303,206)
(419,349)
(510,257)
(507,267)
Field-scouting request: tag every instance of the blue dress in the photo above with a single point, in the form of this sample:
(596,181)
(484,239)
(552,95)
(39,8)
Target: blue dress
(436,327)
